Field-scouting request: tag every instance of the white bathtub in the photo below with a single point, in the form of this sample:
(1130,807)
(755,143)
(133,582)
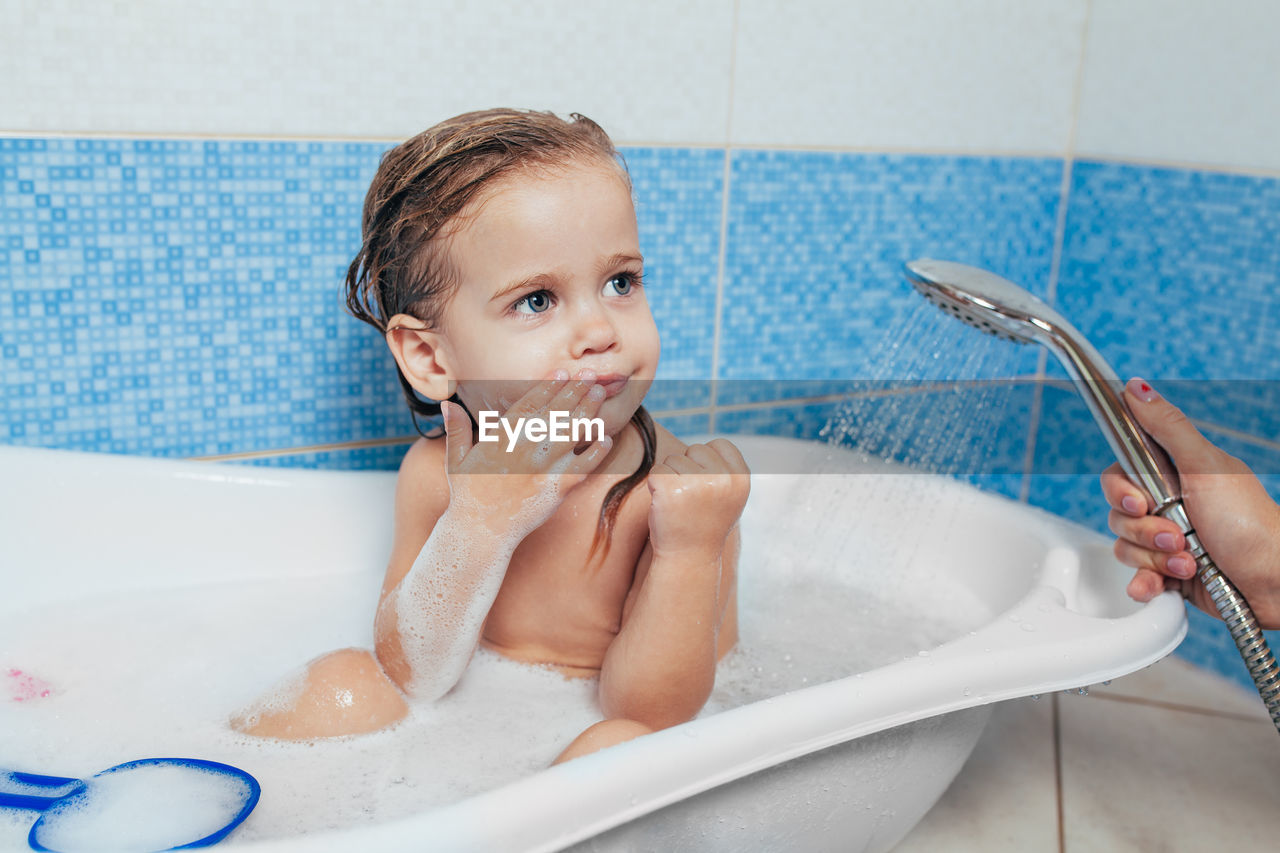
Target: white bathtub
(1026,603)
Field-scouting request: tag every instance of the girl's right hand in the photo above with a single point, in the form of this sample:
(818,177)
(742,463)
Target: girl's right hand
(1237,522)
(513,491)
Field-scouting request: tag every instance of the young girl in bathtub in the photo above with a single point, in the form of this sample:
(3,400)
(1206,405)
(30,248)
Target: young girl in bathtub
(502,264)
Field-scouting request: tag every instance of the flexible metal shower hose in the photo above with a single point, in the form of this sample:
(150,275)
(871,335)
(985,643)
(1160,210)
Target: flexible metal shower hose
(1243,625)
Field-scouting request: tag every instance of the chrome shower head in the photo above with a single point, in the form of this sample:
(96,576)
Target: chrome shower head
(1001,308)
(985,301)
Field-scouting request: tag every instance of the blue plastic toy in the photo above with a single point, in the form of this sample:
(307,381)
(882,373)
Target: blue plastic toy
(113,810)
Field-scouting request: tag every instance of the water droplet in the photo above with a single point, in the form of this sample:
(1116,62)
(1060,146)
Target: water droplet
(1035,697)
(968,691)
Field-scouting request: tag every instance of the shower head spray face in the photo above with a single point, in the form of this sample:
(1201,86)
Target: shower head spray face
(985,301)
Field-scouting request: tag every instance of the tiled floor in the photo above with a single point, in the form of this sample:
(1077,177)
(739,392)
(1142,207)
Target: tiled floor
(1171,758)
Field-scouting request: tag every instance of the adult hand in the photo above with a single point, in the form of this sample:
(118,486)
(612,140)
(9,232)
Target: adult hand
(1235,519)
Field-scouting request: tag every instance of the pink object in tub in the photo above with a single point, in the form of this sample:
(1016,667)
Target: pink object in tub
(23,686)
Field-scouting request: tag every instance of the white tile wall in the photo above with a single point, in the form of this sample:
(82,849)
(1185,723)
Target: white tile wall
(1184,82)
(1187,82)
(987,75)
(651,71)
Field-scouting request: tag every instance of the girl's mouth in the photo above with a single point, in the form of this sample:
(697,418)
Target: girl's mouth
(613,383)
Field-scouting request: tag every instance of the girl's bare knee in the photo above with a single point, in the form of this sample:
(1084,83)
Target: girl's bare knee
(603,734)
(344,692)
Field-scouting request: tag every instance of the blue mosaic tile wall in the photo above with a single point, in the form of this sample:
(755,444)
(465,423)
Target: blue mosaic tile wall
(179,298)
(1174,274)
(813,277)
(183,298)
(679,197)
(976,434)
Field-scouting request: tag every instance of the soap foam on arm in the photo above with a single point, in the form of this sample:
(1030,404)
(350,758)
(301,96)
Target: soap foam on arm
(433,617)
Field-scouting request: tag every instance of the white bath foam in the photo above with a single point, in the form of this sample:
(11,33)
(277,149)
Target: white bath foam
(159,675)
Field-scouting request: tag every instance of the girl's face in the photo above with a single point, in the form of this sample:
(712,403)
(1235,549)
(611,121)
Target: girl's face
(549,271)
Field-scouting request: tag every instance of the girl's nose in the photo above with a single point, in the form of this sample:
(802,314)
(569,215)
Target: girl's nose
(593,332)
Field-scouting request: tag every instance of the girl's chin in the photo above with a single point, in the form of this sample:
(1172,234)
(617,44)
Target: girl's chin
(618,411)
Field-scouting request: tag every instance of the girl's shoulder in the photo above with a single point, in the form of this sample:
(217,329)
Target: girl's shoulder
(423,481)
(424,454)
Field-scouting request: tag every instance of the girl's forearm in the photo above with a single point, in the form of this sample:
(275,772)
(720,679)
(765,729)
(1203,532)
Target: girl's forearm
(429,625)
(661,667)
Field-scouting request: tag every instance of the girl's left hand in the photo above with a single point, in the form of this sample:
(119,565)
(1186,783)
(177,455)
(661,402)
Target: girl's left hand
(697,497)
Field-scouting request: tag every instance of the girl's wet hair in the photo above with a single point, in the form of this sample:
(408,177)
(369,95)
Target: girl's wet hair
(419,197)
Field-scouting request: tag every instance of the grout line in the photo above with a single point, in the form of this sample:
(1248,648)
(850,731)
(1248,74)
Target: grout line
(1068,159)
(680,413)
(1183,165)
(893,150)
(311,448)
(193,136)
(1055,264)
(392,139)
(378,442)
(1057,773)
(733,72)
(1033,430)
(1237,434)
(840,396)
(663,413)
(1186,709)
(1069,385)
(905,150)
(716,324)
(722,251)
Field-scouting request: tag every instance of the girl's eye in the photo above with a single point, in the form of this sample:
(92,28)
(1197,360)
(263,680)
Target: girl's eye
(534,303)
(623,283)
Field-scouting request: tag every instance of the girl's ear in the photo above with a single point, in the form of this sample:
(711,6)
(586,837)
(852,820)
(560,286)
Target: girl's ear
(422,356)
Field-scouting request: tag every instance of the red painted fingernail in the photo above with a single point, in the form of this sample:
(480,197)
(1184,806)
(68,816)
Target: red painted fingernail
(1141,390)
